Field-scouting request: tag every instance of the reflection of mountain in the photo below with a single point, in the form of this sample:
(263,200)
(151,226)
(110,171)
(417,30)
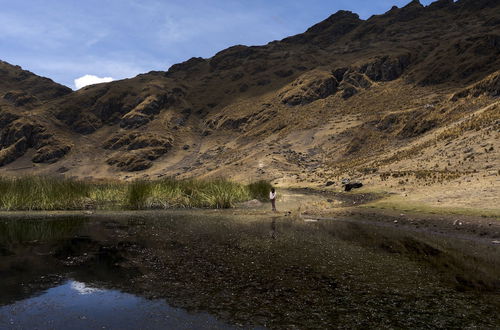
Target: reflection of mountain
(347,94)
(233,268)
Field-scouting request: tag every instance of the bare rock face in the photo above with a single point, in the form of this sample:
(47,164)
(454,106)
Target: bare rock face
(51,152)
(20,98)
(19,134)
(386,68)
(348,90)
(357,80)
(142,149)
(309,87)
(12,152)
(110,106)
(6,118)
(136,160)
(144,112)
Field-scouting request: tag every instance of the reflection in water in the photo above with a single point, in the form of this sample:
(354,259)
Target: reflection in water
(254,271)
(73,305)
(82,288)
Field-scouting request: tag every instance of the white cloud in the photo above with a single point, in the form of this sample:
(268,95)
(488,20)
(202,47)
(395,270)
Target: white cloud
(82,288)
(89,79)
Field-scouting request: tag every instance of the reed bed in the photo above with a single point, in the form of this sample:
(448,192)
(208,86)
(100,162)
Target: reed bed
(50,193)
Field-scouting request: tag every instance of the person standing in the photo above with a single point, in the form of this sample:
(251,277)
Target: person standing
(272,197)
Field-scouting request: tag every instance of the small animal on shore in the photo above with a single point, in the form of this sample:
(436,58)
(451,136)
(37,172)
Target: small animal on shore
(272,197)
(348,186)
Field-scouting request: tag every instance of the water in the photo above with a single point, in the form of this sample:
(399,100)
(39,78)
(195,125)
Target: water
(77,306)
(211,269)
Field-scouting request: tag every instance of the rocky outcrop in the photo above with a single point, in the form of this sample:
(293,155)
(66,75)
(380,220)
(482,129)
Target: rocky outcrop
(19,98)
(386,68)
(20,134)
(136,160)
(309,87)
(12,152)
(142,149)
(129,108)
(144,112)
(134,141)
(490,86)
(51,152)
(6,118)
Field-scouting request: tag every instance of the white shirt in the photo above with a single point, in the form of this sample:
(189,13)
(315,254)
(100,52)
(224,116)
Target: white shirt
(272,195)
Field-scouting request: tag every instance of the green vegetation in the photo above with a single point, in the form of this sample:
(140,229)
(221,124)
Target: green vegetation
(49,193)
(397,203)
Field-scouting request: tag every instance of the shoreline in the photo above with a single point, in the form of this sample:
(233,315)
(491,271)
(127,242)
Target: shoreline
(484,229)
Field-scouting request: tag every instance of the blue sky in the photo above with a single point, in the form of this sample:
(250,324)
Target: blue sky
(65,40)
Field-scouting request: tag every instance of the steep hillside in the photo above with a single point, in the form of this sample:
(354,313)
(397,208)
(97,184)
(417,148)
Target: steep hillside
(404,99)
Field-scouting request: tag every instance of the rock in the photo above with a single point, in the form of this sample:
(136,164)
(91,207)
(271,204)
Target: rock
(309,87)
(19,98)
(386,68)
(339,73)
(329,183)
(134,120)
(51,153)
(137,160)
(6,118)
(348,91)
(357,80)
(135,141)
(14,151)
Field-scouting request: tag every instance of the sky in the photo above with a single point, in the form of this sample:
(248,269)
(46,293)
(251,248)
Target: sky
(80,42)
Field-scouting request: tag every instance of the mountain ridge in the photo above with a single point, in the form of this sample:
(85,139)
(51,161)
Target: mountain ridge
(348,97)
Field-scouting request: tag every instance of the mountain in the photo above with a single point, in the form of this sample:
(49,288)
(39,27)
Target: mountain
(401,97)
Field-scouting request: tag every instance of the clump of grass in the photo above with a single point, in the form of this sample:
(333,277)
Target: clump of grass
(42,193)
(138,193)
(170,193)
(50,193)
(260,189)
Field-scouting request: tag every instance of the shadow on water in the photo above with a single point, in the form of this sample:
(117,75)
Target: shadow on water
(250,271)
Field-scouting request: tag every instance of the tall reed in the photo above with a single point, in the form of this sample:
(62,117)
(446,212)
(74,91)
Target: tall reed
(51,193)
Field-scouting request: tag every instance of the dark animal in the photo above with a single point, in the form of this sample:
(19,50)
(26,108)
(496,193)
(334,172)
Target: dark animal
(350,186)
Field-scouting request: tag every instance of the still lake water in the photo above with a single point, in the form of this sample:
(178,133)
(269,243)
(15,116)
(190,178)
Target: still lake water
(219,270)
